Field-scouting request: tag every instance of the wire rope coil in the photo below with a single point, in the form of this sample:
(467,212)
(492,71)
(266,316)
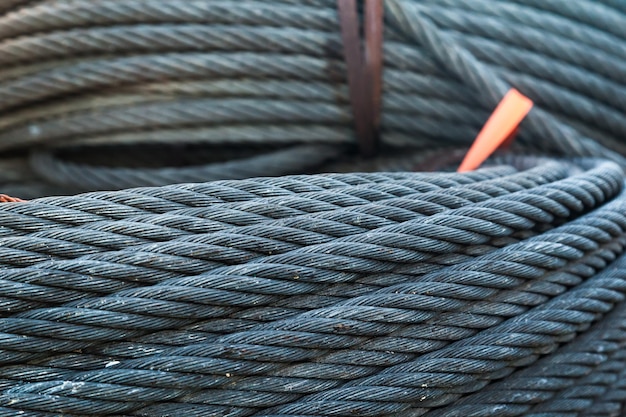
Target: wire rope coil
(249,292)
(376,294)
(258,88)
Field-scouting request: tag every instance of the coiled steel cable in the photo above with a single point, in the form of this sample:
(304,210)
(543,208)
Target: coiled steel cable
(269,74)
(496,292)
(373,294)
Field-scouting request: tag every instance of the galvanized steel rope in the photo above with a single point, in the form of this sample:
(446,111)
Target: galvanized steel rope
(268,77)
(372,294)
(496,292)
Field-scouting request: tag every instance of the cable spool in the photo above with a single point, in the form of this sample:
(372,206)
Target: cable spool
(268,77)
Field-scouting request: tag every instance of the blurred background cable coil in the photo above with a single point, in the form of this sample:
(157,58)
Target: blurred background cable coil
(230,287)
(111,94)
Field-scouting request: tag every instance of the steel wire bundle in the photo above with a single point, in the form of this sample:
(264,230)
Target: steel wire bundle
(496,292)
(91,90)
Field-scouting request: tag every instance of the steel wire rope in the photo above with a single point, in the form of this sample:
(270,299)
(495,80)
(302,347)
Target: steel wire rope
(594,260)
(88,75)
(498,292)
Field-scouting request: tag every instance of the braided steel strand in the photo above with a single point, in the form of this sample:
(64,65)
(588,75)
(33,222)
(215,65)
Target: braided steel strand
(552,23)
(163,38)
(589,12)
(612,402)
(148,345)
(186,112)
(49,213)
(301,44)
(373,205)
(85,177)
(193,38)
(576,400)
(584,368)
(174,112)
(467,67)
(104,72)
(112,268)
(291,197)
(328,24)
(62,15)
(473,361)
(230,344)
(141,39)
(173,259)
(398,83)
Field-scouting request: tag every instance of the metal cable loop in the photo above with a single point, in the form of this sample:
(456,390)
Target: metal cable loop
(496,292)
(339,205)
(100,206)
(584,369)
(163,72)
(350,313)
(173,253)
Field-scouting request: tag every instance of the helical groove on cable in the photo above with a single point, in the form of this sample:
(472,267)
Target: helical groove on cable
(206,263)
(100,95)
(373,294)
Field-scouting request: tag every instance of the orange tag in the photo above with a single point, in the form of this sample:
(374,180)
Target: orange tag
(500,127)
(6,199)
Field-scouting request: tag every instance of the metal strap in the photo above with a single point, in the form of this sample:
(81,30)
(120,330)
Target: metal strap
(364,69)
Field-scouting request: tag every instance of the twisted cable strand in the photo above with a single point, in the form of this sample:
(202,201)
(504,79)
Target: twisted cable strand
(600,214)
(376,204)
(441,78)
(474,357)
(268,352)
(583,369)
(467,67)
(171,264)
(97,206)
(612,402)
